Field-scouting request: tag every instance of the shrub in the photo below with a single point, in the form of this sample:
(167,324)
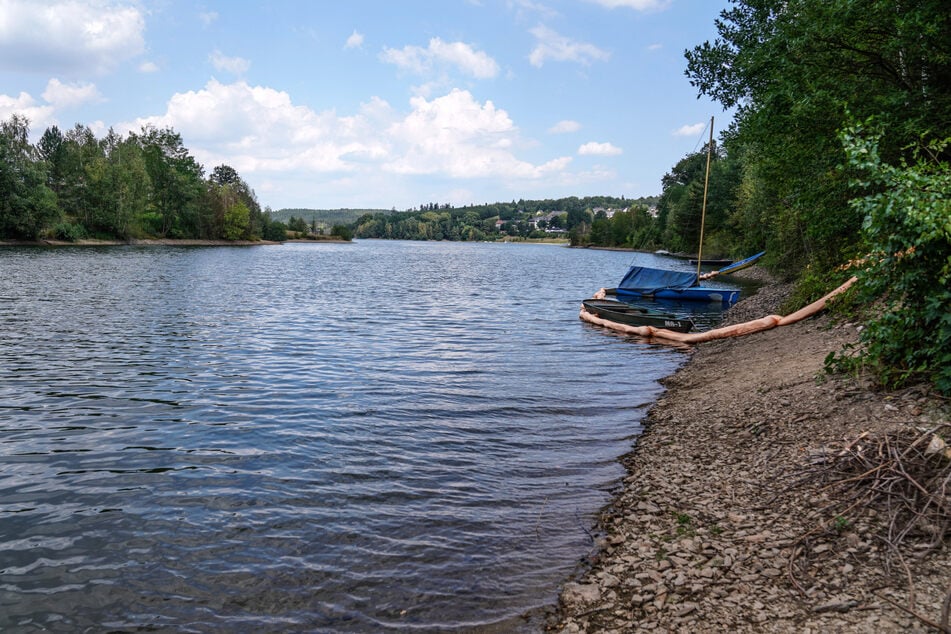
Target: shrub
(908,227)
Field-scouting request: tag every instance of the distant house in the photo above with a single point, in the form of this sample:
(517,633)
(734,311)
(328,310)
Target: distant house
(608,211)
(546,218)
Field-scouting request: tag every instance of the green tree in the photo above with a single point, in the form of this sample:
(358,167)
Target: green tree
(907,222)
(177,186)
(794,70)
(237,221)
(27,204)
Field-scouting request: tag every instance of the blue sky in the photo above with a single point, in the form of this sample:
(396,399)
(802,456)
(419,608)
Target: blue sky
(377,103)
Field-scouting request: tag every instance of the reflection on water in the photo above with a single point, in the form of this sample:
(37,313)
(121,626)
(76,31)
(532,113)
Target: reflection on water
(358,437)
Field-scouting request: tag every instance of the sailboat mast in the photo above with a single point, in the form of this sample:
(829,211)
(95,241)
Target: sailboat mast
(703,209)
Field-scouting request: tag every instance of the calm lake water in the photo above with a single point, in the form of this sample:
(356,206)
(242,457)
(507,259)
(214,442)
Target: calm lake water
(362,437)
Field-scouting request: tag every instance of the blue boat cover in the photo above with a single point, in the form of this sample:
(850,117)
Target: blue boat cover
(647,280)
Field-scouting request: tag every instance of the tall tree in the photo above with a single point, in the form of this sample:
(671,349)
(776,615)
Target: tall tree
(796,70)
(27,205)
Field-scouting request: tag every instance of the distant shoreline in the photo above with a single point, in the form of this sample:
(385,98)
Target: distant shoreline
(158,242)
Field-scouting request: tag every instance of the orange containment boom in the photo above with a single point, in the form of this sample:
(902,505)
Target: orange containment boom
(736,330)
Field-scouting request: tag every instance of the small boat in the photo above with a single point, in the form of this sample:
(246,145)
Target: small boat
(736,266)
(622,313)
(645,282)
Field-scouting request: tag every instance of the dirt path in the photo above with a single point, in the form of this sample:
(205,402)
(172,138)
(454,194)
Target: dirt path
(707,534)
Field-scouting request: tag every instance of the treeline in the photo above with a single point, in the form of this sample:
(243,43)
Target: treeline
(71,186)
(322,217)
(838,153)
(490,221)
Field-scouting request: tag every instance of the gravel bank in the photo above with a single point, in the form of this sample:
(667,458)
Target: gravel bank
(726,522)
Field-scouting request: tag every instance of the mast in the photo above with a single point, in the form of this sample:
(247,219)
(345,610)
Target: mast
(703,209)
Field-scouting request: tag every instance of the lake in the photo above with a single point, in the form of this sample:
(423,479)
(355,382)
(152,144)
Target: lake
(360,437)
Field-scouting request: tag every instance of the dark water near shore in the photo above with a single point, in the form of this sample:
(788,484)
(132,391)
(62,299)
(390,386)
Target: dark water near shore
(381,435)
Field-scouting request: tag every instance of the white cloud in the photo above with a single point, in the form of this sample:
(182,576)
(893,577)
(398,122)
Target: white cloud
(551,45)
(281,147)
(69,37)
(254,128)
(455,54)
(564,127)
(599,149)
(637,5)
(690,130)
(39,116)
(459,137)
(234,65)
(355,40)
(60,95)
(148,67)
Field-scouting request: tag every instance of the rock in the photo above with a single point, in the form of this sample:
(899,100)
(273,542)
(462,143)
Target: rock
(580,594)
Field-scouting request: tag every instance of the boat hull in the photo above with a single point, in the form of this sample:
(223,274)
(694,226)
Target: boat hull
(622,313)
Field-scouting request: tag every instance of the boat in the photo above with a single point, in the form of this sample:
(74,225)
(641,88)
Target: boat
(650,283)
(734,267)
(653,283)
(622,313)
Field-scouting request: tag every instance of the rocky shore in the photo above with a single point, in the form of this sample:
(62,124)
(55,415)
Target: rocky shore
(738,512)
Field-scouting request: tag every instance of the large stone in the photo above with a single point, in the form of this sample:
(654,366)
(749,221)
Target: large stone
(580,594)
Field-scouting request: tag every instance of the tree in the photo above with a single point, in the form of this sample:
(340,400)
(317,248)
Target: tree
(795,70)
(27,205)
(176,182)
(237,221)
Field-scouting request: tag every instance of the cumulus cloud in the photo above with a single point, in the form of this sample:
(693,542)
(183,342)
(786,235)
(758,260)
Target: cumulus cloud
(60,95)
(39,116)
(564,127)
(255,128)
(68,37)
(637,5)
(458,55)
(690,129)
(355,40)
(234,65)
(262,133)
(550,45)
(599,149)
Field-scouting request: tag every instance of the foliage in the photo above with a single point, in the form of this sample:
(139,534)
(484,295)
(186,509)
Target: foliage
(69,232)
(72,185)
(237,221)
(794,70)
(523,218)
(342,231)
(907,222)
(27,205)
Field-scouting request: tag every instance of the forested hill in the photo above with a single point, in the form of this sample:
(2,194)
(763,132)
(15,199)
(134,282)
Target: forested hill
(489,221)
(327,217)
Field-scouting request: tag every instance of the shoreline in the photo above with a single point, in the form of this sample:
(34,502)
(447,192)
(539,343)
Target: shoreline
(170,242)
(716,528)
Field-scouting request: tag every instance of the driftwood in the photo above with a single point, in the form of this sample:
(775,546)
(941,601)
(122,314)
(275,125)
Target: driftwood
(663,335)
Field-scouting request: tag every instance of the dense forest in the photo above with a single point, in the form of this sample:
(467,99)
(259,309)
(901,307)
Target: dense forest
(71,186)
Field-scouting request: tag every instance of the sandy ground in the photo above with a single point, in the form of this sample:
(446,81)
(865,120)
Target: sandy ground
(730,519)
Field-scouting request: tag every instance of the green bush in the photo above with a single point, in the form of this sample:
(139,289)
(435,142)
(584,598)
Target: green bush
(69,232)
(342,231)
(908,272)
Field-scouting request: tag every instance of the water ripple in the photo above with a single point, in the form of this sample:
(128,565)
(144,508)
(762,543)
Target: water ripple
(366,437)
